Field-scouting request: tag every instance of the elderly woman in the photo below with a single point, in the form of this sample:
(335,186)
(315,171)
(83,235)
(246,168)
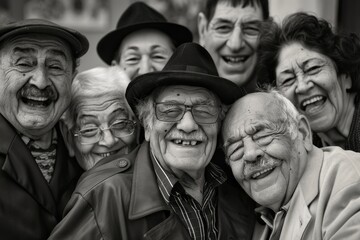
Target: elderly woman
(99,121)
(318,71)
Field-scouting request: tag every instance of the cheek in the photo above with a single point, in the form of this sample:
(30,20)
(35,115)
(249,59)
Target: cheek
(253,43)
(130,141)
(237,170)
(83,149)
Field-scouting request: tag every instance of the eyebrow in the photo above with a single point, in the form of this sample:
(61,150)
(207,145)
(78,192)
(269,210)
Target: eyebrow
(24,50)
(32,50)
(57,52)
(302,65)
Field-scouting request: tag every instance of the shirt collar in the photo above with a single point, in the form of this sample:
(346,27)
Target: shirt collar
(28,140)
(214,176)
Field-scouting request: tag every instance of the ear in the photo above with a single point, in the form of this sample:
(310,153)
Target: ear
(147,133)
(114,63)
(346,81)
(68,138)
(305,132)
(202,28)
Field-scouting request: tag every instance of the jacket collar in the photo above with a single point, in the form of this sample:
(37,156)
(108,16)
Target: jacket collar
(299,212)
(145,196)
(20,165)
(22,168)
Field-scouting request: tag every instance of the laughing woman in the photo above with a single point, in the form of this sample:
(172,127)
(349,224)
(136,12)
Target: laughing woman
(99,122)
(318,71)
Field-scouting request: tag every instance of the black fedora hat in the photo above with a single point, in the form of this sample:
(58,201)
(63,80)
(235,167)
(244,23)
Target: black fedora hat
(140,16)
(78,42)
(190,65)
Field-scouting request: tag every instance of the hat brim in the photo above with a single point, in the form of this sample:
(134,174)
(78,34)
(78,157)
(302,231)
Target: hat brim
(77,41)
(144,84)
(110,43)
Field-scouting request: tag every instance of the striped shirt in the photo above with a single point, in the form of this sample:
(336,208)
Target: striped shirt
(200,220)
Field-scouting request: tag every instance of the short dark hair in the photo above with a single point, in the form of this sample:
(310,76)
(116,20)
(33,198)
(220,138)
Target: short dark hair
(314,33)
(210,5)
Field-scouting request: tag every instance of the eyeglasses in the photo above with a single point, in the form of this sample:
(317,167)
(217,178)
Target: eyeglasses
(120,128)
(173,112)
(248,29)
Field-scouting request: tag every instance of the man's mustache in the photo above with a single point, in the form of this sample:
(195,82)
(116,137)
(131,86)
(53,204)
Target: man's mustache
(32,91)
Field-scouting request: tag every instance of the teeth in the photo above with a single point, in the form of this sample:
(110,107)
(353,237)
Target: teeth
(106,154)
(37,98)
(312,100)
(185,142)
(235,59)
(261,172)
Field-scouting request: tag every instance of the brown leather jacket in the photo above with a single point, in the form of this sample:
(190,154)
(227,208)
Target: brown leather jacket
(120,199)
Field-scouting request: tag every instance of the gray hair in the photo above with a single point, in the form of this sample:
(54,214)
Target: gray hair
(289,114)
(96,82)
(146,112)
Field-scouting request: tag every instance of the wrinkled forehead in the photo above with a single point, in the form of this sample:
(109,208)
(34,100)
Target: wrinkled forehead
(94,106)
(37,43)
(251,10)
(186,94)
(252,109)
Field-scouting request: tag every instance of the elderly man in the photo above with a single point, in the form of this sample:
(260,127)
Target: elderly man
(143,40)
(304,192)
(166,188)
(37,64)
(229,30)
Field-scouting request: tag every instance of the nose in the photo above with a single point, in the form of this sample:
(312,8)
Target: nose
(39,78)
(107,139)
(252,152)
(235,41)
(187,123)
(145,65)
(303,84)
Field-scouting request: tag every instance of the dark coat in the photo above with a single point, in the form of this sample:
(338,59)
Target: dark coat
(121,200)
(29,206)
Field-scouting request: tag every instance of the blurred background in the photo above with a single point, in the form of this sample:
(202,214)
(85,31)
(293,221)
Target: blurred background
(95,18)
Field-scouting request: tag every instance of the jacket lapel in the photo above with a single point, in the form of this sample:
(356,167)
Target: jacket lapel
(146,201)
(298,215)
(66,173)
(145,194)
(22,168)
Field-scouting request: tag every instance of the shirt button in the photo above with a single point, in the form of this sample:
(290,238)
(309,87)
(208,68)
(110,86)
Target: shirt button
(122,163)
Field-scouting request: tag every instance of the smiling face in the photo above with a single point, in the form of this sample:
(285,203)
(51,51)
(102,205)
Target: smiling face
(265,158)
(35,80)
(309,79)
(184,146)
(231,38)
(101,112)
(139,57)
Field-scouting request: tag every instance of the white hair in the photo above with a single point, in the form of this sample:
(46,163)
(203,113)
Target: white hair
(96,82)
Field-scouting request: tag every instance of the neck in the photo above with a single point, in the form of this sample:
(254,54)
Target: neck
(338,135)
(194,187)
(43,141)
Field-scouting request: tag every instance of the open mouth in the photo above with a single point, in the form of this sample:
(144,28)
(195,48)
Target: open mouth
(36,101)
(186,142)
(312,103)
(263,173)
(107,154)
(233,60)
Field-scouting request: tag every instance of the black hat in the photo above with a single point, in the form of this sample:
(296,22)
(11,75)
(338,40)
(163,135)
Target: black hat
(190,65)
(140,16)
(78,42)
